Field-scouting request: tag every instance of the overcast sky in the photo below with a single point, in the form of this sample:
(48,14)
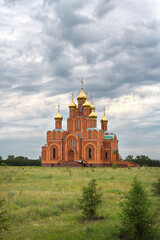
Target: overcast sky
(46,47)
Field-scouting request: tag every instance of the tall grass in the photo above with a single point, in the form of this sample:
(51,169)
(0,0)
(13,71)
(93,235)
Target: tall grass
(42,202)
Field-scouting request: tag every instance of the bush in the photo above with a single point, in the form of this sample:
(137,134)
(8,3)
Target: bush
(136,217)
(114,166)
(3,164)
(91,200)
(156,187)
(3,218)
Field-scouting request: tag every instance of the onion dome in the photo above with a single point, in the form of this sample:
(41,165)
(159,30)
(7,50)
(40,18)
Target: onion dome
(93,115)
(104,119)
(86,105)
(92,105)
(82,95)
(72,105)
(58,116)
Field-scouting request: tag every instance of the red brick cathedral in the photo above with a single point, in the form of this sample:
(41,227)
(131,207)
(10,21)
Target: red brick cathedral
(83,143)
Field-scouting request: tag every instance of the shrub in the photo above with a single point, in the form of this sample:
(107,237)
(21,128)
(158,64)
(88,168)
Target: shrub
(114,166)
(91,200)
(4,164)
(156,187)
(136,217)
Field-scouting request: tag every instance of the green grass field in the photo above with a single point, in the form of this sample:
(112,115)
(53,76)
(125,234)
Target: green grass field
(42,202)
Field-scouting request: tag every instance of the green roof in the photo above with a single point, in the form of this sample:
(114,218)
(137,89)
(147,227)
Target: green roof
(108,136)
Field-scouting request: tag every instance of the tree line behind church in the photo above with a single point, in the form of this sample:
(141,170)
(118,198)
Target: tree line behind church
(20,161)
(11,160)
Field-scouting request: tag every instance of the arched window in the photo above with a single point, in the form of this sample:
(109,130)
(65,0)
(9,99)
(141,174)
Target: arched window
(57,124)
(71,112)
(74,143)
(54,153)
(106,155)
(85,112)
(69,143)
(90,135)
(77,125)
(91,123)
(80,108)
(90,152)
(54,136)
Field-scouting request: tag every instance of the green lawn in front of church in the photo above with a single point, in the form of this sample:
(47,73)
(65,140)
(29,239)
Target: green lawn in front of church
(42,203)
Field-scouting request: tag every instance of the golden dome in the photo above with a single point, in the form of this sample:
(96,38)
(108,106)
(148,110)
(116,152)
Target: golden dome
(86,104)
(104,119)
(93,115)
(72,105)
(92,106)
(58,116)
(82,95)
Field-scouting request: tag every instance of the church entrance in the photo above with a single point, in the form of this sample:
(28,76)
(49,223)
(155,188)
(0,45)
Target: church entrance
(71,155)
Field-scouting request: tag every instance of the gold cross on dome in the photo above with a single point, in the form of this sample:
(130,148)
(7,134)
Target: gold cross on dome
(82,82)
(58,107)
(72,95)
(104,110)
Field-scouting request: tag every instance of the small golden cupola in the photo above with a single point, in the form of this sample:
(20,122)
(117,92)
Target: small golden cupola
(86,105)
(104,122)
(58,116)
(58,119)
(93,115)
(72,105)
(92,105)
(104,119)
(82,96)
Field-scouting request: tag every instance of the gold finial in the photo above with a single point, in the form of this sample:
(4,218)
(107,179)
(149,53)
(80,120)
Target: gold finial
(104,119)
(86,93)
(81,96)
(82,82)
(58,116)
(72,105)
(72,95)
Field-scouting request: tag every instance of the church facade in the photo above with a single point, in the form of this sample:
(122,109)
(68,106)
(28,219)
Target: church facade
(83,144)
